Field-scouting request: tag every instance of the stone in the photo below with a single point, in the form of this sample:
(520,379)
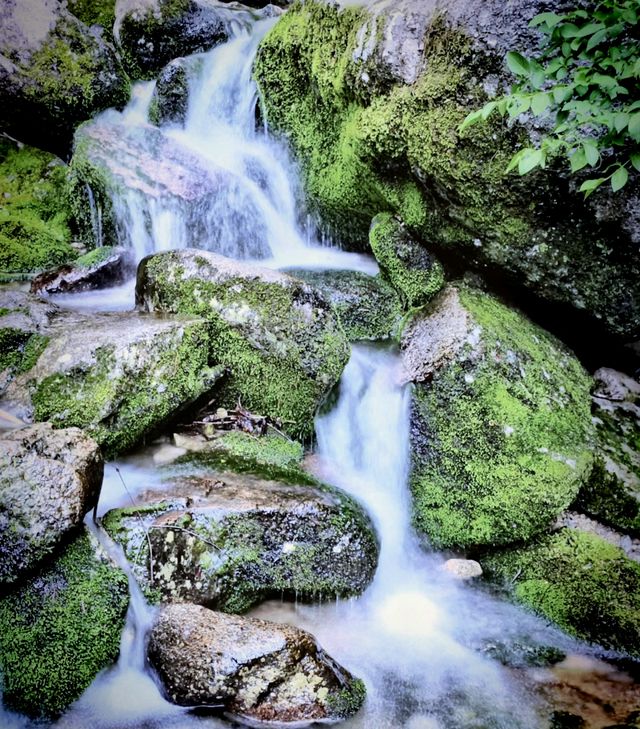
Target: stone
(254,670)
(279,337)
(228,541)
(501,433)
(60,627)
(170,99)
(463,569)
(100,268)
(54,73)
(49,479)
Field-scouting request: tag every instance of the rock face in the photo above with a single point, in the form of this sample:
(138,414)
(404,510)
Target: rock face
(612,493)
(60,628)
(579,581)
(151,33)
(500,426)
(278,336)
(255,669)
(171,94)
(35,216)
(100,268)
(415,274)
(49,479)
(228,541)
(54,73)
(367,306)
(117,376)
(371,101)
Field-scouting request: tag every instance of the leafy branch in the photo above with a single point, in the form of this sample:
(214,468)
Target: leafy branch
(586,81)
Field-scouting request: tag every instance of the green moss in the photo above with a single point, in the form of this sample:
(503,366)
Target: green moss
(415,274)
(59,629)
(349,700)
(580,582)
(94,257)
(35,229)
(94,12)
(20,350)
(117,408)
(61,73)
(502,436)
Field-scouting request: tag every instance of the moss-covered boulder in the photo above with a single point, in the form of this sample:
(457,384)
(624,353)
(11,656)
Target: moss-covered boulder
(367,306)
(580,582)
(170,98)
(60,628)
(95,12)
(371,103)
(49,479)
(35,216)
(612,492)
(55,73)
(500,427)
(279,337)
(229,541)
(117,376)
(254,669)
(415,274)
(150,33)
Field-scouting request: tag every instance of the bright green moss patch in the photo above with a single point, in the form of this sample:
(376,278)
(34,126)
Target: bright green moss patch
(501,437)
(580,582)
(20,350)
(94,12)
(60,629)
(34,215)
(94,257)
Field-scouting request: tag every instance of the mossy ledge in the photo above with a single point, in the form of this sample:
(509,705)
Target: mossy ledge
(580,582)
(59,629)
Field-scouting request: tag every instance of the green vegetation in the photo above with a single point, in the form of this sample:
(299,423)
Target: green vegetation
(349,700)
(502,435)
(585,81)
(94,257)
(20,350)
(59,629)
(34,216)
(580,582)
(94,12)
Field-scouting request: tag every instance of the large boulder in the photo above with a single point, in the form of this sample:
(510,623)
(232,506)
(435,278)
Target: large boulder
(579,581)
(371,100)
(35,216)
(60,628)
(49,479)
(255,670)
(117,376)
(612,493)
(150,33)
(278,336)
(501,431)
(170,99)
(229,541)
(54,73)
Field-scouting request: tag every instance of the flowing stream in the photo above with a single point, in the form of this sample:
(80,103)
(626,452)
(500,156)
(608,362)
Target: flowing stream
(421,640)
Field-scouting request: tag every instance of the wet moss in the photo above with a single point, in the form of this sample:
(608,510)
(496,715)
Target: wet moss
(94,12)
(59,629)
(94,257)
(502,436)
(35,231)
(580,582)
(20,350)
(349,700)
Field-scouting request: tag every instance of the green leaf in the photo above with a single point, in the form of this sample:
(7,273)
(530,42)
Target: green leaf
(570,30)
(517,63)
(591,152)
(548,19)
(596,39)
(634,126)
(540,103)
(619,178)
(469,120)
(578,160)
(589,29)
(588,186)
(530,160)
(635,160)
(620,121)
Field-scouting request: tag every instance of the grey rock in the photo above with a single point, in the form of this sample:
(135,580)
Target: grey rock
(255,670)
(229,540)
(171,93)
(49,479)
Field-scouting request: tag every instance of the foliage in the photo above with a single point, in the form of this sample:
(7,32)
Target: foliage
(586,82)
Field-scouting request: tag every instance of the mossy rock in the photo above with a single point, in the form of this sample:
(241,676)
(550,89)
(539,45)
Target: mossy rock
(580,582)
(412,271)
(367,306)
(229,541)
(373,118)
(278,337)
(60,628)
(95,12)
(501,432)
(170,99)
(58,73)
(35,217)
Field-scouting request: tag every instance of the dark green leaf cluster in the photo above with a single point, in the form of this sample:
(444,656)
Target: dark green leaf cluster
(586,82)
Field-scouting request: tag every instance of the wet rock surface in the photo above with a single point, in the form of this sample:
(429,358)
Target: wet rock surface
(252,669)
(228,540)
(501,431)
(49,479)
(54,73)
